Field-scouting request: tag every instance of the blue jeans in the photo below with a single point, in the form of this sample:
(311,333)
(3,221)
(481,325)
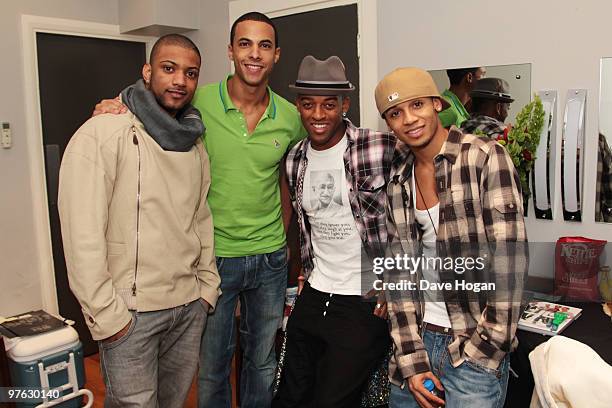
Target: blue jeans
(468,385)
(260,281)
(154,363)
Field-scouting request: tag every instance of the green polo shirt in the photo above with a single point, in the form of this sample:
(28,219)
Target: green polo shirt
(244,195)
(455,114)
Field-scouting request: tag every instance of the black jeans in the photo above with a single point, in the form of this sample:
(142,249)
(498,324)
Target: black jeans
(334,343)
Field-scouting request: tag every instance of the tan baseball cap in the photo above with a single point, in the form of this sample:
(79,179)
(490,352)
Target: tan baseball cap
(405,84)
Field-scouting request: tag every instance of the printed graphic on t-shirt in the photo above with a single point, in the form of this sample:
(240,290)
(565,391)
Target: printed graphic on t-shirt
(335,241)
(326,192)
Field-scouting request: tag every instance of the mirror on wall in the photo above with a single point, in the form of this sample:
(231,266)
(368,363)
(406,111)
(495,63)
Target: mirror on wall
(484,100)
(542,175)
(603,190)
(518,77)
(572,154)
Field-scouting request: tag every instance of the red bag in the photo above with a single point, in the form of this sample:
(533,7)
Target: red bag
(577,267)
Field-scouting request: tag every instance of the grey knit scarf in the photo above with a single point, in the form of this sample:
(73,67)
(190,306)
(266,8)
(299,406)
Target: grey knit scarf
(177,134)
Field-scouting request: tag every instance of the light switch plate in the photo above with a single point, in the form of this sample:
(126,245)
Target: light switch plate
(6,139)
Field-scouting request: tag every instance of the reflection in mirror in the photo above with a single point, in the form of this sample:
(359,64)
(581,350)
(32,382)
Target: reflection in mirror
(544,165)
(484,101)
(603,190)
(572,154)
(518,77)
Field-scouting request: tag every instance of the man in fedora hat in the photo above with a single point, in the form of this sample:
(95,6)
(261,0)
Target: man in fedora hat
(453,197)
(334,338)
(490,105)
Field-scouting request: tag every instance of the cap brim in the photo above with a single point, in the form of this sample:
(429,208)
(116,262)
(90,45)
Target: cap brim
(445,104)
(320,91)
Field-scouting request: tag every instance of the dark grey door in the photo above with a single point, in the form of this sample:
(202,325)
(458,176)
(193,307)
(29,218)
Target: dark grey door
(320,33)
(74,74)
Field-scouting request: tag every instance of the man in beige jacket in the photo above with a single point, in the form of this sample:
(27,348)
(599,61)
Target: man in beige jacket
(138,234)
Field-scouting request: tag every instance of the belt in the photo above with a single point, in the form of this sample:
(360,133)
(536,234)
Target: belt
(438,329)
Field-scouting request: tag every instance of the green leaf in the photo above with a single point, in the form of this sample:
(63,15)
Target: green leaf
(525,135)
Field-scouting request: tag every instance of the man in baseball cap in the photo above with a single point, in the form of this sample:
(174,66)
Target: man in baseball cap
(490,105)
(456,196)
(335,337)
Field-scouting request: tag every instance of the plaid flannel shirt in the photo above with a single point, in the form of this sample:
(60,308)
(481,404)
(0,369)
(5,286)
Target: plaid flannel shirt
(603,198)
(367,164)
(480,206)
(484,125)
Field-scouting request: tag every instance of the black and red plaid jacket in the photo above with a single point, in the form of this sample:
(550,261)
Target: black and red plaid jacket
(367,162)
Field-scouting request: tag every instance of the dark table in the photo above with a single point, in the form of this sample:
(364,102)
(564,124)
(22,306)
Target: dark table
(592,328)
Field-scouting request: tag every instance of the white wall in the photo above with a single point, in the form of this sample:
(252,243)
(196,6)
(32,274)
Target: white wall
(19,263)
(564,55)
(212,38)
(19,256)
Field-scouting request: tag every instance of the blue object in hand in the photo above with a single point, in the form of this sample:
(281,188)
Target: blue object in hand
(430,386)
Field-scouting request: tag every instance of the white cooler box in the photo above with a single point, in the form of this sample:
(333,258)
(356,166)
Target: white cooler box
(50,361)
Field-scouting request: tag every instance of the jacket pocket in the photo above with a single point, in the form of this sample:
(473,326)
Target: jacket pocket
(115,248)
(370,191)
(118,263)
(505,203)
(466,216)
(506,212)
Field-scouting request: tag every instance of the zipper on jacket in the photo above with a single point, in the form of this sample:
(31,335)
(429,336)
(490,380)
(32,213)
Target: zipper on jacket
(194,220)
(135,141)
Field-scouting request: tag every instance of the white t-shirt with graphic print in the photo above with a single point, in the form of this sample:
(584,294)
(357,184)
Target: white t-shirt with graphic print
(335,239)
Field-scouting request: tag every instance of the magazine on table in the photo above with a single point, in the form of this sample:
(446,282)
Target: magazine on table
(547,318)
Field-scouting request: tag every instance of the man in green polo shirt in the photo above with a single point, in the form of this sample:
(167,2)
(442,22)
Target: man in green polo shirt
(244,193)
(462,81)
(249,129)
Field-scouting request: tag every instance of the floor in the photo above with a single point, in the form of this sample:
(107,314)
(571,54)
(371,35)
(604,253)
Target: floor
(96,385)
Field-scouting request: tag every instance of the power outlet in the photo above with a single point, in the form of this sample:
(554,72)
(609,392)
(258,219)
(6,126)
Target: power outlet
(6,138)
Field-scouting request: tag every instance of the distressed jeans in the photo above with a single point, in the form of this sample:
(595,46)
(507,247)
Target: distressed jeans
(468,385)
(154,363)
(260,282)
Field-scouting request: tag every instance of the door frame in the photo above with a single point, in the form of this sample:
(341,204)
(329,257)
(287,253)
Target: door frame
(367,39)
(30,26)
